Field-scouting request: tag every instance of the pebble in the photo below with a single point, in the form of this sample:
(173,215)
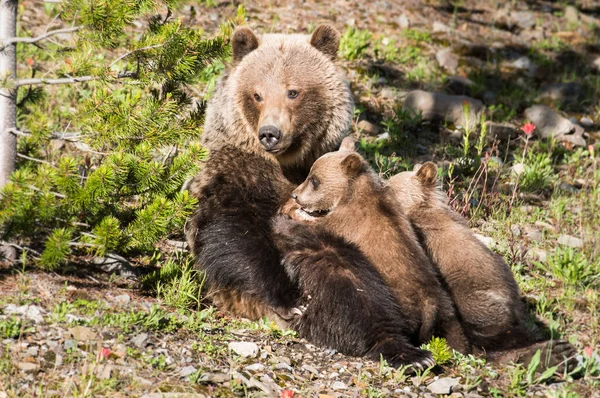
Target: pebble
(586,122)
(403,21)
(187,370)
(440,27)
(486,240)
(284,366)
(447,59)
(244,348)
(518,168)
(255,367)
(443,385)
(388,93)
(368,127)
(551,124)
(533,234)
(33,312)
(140,340)
(82,333)
(69,344)
(570,241)
(123,299)
(438,106)
(310,369)
(27,367)
(338,385)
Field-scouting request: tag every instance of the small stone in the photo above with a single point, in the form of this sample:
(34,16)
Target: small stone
(214,377)
(140,340)
(533,234)
(284,366)
(518,168)
(547,226)
(338,385)
(310,369)
(516,230)
(83,333)
(388,93)
(104,372)
(570,241)
(586,122)
(33,351)
(551,124)
(187,370)
(255,367)
(563,186)
(443,385)
(571,15)
(383,137)
(500,131)
(244,348)
(523,19)
(69,344)
(596,64)
(523,63)
(403,21)
(440,27)
(123,299)
(538,255)
(447,59)
(33,312)
(486,240)
(27,367)
(368,127)
(444,107)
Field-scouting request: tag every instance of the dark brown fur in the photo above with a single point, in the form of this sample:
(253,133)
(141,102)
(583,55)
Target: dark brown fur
(363,211)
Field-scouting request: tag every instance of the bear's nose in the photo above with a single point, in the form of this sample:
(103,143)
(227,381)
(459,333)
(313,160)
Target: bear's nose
(269,136)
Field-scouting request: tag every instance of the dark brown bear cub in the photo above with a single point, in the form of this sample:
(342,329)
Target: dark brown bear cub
(481,284)
(349,307)
(343,195)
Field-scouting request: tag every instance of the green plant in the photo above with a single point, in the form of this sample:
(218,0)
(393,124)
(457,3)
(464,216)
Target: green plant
(10,328)
(177,283)
(571,266)
(354,43)
(439,348)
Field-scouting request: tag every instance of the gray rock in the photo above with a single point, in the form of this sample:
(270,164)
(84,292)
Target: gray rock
(140,340)
(28,367)
(500,131)
(310,369)
(524,63)
(382,137)
(214,377)
(517,168)
(283,366)
(586,122)
(565,93)
(570,241)
(516,230)
(551,124)
(443,385)
(447,59)
(113,263)
(187,370)
(538,255)
(83,333)
(33,312)
(255,367)
(459,85)
(244,348)
(547,226)
(440,27)
(123,299)
(523,19)
(533,233)
(368,127)
(69,344)
(571,15)
(388,93)
(449,108)
(486,240)
(403,21)
(338,385)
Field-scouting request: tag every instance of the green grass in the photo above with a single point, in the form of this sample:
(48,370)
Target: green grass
(355,43)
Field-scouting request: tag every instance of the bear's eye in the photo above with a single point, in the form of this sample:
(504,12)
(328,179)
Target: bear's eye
(315,182)
(291,94)
(257,97)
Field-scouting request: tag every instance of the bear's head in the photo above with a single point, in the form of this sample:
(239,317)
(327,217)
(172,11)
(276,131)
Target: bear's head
(289,93)
(417,188)
(330,181)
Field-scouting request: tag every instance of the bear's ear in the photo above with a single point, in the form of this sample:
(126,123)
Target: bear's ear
(352,164)
(243,42)
(347,145)
(326,39)
(427,174)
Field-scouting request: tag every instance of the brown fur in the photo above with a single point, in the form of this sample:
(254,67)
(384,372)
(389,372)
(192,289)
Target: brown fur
(481,284)
(253,94)
(363,211)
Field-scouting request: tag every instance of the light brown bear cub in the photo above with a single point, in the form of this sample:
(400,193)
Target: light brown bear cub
(346,197)
(481,284)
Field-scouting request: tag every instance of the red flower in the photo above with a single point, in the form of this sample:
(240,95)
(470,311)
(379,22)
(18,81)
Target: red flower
(104,353)
(589,351)
(286,394)
(528,128)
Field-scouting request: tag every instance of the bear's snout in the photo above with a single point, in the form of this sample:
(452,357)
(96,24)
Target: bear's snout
(269,136)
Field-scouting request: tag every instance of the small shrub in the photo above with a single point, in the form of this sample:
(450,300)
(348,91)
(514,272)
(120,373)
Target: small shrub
(354,43)
(439,348)
(570,266)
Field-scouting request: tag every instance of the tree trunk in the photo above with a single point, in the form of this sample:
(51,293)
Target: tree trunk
(8,106)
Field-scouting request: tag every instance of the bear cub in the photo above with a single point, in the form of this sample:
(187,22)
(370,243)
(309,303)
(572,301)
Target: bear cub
(483,288)
(346,198)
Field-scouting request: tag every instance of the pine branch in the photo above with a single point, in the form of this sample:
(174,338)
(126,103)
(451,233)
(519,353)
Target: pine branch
(71,136)
(136,50)
(31,40)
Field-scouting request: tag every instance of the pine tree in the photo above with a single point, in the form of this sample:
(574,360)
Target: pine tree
(107,129)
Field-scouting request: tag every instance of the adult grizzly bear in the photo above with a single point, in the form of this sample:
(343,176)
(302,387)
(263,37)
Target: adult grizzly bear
(282,105)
